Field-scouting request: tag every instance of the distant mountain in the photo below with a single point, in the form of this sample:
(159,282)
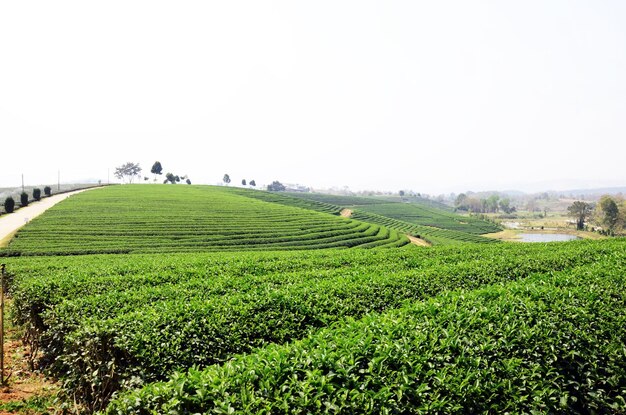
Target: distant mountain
(594,192)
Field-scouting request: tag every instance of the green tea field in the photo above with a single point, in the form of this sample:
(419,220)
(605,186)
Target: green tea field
(196,299)
(158,218)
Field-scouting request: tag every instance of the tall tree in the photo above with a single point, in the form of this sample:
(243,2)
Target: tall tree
(609,212)
(252,183)
(460,201)
(580,211)
(243,182)
(156,168)
(505,205)
(493,203)
(128,171)
(226,179)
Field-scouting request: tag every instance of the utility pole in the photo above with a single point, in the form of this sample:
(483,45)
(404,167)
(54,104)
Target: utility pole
(22,182)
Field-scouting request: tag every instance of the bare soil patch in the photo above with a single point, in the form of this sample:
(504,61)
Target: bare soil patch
(417,241)
(346,213)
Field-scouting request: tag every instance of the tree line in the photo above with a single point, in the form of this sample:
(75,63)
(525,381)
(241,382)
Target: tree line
(491,204)
(609,214)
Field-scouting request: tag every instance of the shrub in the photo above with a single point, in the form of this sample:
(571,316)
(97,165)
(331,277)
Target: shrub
(24,199)
(47,190)
(9,205)
(37,194)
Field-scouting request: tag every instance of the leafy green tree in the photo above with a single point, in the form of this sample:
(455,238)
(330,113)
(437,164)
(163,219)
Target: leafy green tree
(24,199)
(493,203)
(9,205)
(156,168)
(505,205)
(276,186)
(47,191)
(401,193)
(128,171)
(37,194)
(188,181)
(580,211)
(609,212)
(243,182)
(252,183)
(226,179)
(460,201)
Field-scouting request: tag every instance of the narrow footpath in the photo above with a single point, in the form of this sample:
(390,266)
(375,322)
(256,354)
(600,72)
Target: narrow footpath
(10,223)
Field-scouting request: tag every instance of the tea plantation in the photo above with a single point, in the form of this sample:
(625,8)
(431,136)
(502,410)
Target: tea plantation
(214,300)
(433,222)
(161,218)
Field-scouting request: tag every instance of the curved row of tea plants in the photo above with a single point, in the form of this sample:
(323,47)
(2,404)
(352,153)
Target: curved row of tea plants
(419,213)
(553,343)
(435,236)
(428,216)
(288,200)
(103,321)
(447,228)
(161,218)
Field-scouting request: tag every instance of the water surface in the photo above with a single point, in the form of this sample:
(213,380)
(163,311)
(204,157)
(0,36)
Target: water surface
(547,237)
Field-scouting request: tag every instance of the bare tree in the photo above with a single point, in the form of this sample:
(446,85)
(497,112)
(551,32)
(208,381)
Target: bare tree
(128,171)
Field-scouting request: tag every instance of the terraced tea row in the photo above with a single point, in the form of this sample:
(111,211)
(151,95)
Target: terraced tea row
(161,218)
(103,321)
(415,213)
(553,343)
(435,236)
(427,216)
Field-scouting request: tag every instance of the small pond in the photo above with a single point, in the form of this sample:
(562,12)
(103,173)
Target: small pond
(546,237)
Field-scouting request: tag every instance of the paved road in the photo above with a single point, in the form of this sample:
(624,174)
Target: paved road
(10,223)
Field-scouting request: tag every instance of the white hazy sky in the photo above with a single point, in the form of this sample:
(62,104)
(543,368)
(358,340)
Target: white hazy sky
(434,96)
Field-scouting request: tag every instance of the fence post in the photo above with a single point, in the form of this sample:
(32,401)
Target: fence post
(2,279)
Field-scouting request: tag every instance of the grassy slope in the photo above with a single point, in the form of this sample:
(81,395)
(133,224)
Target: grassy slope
(162,218)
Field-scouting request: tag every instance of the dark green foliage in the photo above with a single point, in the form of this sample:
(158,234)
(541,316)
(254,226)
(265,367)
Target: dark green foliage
(580,211)
(171,178)
(243,182)
(37,194)
(252,183)
(156,168)
(553,343)
(9,205)
(109,320)
(276,186)
(188,181)
(24,199)
(226,179)
(47,191)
